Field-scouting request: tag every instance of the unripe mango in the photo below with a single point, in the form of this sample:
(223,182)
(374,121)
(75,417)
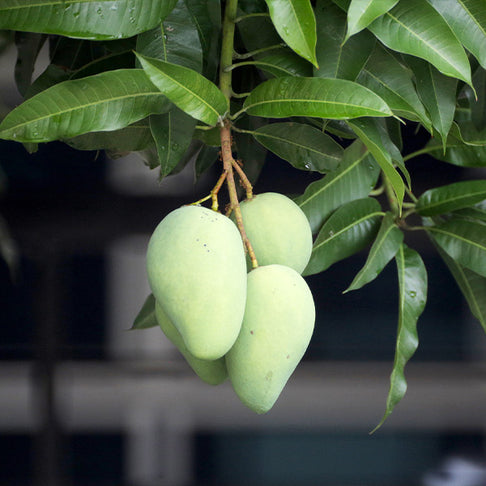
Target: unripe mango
(278,230)
(196,267)
(212,372)
(276,330)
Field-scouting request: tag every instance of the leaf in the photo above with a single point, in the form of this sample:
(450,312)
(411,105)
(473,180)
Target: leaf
(348,230)
(385,247)
(86,19)
(458,153)
(467,19)
(451,197)
(477,212)
(412,286)
(146,317)
(133,138)
(295,23)
(315,97)
(301,145)
(362,13)
(172,133)
(415,27)
(438,94)
(392,81)
(379,144)
(176,40)
(335,58)
(354,178)
(187,89)
(284,63)
(472,285)
(206,157)
(28,47)
(464,241)
(103,102)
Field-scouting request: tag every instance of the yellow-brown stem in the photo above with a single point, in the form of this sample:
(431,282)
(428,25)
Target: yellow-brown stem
(215,191)
(228,164)
(244,180)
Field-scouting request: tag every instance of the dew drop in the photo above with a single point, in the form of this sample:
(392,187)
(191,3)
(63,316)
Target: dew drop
(307,166)
(113,7)
(331,233)
(131,20)
(412,293)
(76,14)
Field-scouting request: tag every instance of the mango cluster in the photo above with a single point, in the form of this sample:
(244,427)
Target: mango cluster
(228,320)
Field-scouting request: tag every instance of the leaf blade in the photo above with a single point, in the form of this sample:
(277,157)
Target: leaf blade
(361,14)
(146,319)
(412,283)
(102,102)
(384,248)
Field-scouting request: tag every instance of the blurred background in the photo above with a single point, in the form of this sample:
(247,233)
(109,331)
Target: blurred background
(84,401)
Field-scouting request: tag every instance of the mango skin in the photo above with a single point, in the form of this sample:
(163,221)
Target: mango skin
(278,230)
(212,372)
(196,267)
(276,330)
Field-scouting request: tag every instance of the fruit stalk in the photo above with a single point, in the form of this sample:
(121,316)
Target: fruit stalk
(227,48)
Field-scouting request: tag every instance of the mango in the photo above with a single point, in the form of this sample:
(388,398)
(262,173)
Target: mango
(196,268)
(212,372)
(278,230)
(276,330)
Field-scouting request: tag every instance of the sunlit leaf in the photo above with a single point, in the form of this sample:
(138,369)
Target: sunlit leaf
(295,22)
(467,19)
(314,97)
(385,247)
(362,13)
(103,102)
(305,147)
(187,89)
(354,178)
(415,27)
(412,296)
(348,230)
(284,63)
(87,19)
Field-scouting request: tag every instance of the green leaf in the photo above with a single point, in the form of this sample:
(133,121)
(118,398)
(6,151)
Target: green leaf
(412,285)
(362,13)
(467,19)
(464,241)
(477,212)
(176,40)
(301,145)
(338,59)
(133,138)
(315,97)
(210,137)
(385,247)
(472,285)
(295,23)
(86,19)
(348,230)
(376,139)
(187,89)
(172,133)
(206,157)
(392,81)
(146,317)
(458,153)
(438,94)
(284,63)
(415,27)
(451,197)
(103,102)
(28,47)
(354,179)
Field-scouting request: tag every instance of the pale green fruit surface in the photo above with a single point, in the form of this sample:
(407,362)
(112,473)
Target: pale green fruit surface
(212,372)
(196,268)
(278,230)
(277,328)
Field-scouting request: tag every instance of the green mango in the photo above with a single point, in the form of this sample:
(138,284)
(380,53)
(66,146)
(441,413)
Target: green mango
(196,267)
(212,372)
(276,330)
(278,230)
